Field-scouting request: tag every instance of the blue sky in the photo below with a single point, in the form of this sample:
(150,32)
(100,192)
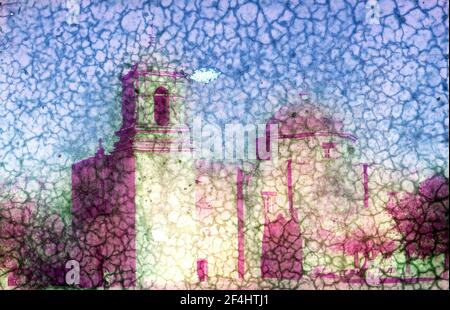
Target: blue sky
(60,91)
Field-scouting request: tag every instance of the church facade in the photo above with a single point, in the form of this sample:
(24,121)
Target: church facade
(151,215)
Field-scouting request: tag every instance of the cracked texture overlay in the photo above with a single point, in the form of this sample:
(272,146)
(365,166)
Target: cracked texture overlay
(224,144)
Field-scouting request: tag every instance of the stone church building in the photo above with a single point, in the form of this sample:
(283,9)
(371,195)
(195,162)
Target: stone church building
(151,215)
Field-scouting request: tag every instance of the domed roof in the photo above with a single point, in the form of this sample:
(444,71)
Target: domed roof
(301,120)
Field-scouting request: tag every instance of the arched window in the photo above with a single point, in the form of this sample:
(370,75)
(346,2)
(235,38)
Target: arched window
(161,106)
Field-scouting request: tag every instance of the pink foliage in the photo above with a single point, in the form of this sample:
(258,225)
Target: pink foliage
(422,218)
(15,218)
(32,245)
(367,242)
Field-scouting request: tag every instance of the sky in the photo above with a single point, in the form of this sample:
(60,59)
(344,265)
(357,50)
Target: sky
(385,76)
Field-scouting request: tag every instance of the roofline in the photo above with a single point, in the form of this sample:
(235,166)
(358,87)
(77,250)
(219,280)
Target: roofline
(135,71)
(305,135)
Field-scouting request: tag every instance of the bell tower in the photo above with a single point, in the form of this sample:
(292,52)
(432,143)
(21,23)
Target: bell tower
(160,96)
(155,134)
(153,110)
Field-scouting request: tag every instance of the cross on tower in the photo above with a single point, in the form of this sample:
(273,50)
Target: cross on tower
(327,146)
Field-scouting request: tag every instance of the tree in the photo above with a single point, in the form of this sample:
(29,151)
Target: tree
(368,242)
(422,219)
(33,246)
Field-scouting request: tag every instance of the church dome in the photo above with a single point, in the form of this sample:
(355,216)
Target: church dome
(302,120)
